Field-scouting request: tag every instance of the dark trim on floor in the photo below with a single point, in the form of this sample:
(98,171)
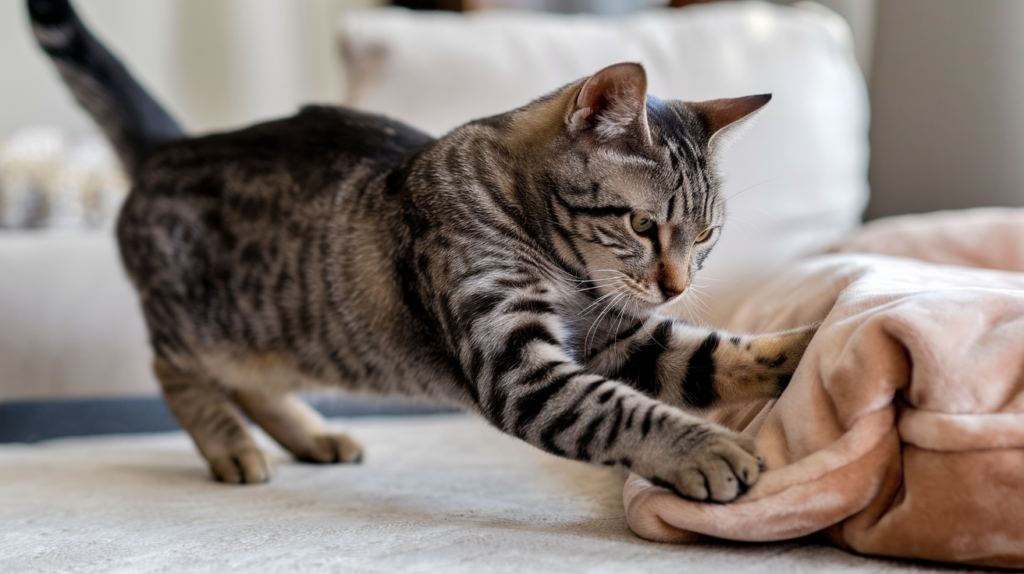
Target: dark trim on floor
(33,421)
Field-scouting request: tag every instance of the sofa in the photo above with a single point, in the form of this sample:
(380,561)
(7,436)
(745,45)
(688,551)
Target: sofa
(439,491)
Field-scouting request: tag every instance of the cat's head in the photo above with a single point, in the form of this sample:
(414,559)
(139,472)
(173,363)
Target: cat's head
(629,182)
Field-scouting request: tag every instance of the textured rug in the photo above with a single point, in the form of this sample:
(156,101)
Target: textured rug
(438,493)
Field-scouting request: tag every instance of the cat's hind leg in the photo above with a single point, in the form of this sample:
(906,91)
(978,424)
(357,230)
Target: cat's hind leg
(298,427)
(205,409)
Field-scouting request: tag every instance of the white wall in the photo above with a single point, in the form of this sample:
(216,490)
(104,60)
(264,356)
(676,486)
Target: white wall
(213,63)
(947,93)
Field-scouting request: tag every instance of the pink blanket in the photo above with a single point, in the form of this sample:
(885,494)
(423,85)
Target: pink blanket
(902,431)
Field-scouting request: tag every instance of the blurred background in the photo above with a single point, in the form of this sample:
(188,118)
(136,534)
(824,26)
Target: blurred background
(919,101)
(945,77)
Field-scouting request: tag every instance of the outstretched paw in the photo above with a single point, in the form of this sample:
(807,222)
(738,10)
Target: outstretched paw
(718,470)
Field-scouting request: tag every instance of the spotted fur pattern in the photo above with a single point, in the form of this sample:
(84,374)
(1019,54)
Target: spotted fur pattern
(499,268)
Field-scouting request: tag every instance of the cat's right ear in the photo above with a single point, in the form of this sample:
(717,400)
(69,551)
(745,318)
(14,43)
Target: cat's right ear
(723,116)
(612,103)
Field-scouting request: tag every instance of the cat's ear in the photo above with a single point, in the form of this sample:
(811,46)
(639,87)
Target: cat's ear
(612,103)
(723,116)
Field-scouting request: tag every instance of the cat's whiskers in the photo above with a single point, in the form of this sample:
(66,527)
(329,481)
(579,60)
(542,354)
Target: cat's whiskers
(619,324)
(705,277)
(590,288)
(650,336)
(748,188)
(692,298)
(601,298)
(695,295)
(701,293)
(768,213)
(594,327)
(686,310)
(738,220)
(600,320)
(600,279)
(606,283)
(595,302)
(625,310)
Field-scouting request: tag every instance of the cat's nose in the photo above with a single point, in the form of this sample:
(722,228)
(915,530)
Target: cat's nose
(669,291)
(672,279)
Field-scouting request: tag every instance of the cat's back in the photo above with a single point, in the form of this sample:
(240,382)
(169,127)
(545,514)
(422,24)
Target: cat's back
(254,181)
(317,145)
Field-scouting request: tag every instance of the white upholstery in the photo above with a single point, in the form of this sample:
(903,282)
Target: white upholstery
(799,174)
(70,323)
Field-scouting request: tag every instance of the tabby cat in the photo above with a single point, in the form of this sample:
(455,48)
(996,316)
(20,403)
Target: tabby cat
(515,267)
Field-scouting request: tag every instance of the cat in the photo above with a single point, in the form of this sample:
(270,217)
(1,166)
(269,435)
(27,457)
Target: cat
(516,267)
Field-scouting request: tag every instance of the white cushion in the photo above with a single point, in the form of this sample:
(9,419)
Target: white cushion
(70,320)
(797,179)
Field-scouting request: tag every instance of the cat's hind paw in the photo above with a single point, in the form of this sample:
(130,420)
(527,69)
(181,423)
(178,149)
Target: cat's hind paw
(332,448)
(249,466)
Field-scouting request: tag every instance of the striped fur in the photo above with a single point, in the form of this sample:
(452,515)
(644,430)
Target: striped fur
(496,268)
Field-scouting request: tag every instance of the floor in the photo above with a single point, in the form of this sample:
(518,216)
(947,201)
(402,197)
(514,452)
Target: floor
(436,493)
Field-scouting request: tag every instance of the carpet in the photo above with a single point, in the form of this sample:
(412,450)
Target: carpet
(436,493)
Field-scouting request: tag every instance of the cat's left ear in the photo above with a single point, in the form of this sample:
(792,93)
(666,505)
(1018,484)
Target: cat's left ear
(723,116)
(613,103)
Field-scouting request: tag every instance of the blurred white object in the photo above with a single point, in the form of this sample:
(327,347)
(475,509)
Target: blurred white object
(70,322)
(796,180)
(50,180)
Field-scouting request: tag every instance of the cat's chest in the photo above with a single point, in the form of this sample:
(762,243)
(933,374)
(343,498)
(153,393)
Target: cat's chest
(594,324)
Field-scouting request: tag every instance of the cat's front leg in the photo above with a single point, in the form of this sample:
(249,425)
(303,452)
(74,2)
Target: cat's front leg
(699,368)
(528,386)
(579,415)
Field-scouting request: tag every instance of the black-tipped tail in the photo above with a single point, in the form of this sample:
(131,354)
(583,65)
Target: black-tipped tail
(132,120)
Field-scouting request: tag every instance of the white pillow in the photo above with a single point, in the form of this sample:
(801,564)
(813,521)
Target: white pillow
(797,178)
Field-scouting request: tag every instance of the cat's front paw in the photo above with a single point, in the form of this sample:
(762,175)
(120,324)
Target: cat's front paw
(720,468)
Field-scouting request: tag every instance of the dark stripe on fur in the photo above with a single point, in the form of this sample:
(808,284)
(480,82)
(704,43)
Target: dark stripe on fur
(699,386)
(613,430)
(530,406)
(565,420)
(645,426)
(586,438)
(509,358)
(640,367)
(530,306)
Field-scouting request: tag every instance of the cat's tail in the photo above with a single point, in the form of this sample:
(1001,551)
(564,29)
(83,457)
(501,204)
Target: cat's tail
(132,120)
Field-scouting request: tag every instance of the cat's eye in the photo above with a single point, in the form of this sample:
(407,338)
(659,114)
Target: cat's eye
(641,221)
(704,236)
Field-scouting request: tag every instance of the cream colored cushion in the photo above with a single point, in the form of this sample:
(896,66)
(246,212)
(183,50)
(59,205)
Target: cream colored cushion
(797,178)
